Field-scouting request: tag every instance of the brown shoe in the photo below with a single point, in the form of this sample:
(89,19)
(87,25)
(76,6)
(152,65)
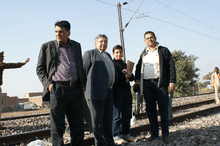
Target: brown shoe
(120,141)
(131,139)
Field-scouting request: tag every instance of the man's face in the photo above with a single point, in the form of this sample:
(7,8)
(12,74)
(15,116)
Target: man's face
(61,34)
(1,59)
(216,70)
(101,44)
(150,40)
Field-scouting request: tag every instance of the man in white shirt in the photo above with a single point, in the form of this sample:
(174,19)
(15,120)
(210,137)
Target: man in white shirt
(156,75)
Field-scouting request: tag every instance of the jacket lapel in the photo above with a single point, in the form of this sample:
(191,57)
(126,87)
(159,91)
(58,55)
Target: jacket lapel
(74,50)
(54,49)
(100,57)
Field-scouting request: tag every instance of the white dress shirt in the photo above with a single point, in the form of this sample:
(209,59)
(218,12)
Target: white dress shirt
(151,64)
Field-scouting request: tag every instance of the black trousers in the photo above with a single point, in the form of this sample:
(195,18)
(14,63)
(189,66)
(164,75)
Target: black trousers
(66,100)
(123,105)
(152,96)
(86,114)
(101,116)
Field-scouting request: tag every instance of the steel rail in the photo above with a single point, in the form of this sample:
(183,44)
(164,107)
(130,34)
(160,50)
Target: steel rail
(45,114)
(27,136)
(142,114)
(26,116)
(180,107)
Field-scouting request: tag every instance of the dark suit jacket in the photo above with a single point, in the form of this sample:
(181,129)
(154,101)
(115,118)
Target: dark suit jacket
(96,75)
(47,64)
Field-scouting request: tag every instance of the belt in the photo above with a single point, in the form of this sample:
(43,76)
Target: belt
(152,80)
(67,83)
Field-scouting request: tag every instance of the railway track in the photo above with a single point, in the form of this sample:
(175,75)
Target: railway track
(174,120)
(28,136)
(46,114)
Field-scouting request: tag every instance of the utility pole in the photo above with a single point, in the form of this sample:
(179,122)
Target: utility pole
(121,30)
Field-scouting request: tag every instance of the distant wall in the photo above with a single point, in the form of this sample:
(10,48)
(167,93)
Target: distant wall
(37,100)
(27,95)
(21,100)
(10,103)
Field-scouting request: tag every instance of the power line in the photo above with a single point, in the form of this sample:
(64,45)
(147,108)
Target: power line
(114,5)
(133,14)
(124,3)
(187,16)
(184,28)
(107,3)
(164,21)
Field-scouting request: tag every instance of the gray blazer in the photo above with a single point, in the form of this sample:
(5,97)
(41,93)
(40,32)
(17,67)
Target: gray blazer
(96,75)
(47,64)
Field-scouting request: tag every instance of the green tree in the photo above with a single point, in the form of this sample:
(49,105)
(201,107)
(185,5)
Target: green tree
(204,84)
(186,74)
(208,76)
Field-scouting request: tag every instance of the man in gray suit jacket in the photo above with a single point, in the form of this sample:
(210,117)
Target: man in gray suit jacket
(101,77)
(60,71)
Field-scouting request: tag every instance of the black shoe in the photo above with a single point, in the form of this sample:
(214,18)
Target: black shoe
(2,128)
(166,139)
(152,138)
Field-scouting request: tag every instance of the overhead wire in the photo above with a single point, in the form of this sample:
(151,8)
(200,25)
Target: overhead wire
(106,3)
(187,16)
(184,28)
(164,21)
(124,3)
(133,14)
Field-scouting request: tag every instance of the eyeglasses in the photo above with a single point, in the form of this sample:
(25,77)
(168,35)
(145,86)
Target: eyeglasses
(105,41)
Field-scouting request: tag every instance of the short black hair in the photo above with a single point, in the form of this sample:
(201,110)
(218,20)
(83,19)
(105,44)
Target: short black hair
(117,47)
(217,68)
(149,32)
(64,24)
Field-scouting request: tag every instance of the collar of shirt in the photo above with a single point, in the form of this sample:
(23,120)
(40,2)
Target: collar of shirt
(156,48)
(100,51)
(103,53)
(61,45)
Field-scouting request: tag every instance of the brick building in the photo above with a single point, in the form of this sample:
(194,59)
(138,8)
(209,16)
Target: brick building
(10,103)
(36,97)
(27,95)
(37,100)
(21,100)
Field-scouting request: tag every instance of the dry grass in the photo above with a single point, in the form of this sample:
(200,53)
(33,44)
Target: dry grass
(21,113)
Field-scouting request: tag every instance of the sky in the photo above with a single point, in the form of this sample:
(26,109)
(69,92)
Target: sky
(192,26)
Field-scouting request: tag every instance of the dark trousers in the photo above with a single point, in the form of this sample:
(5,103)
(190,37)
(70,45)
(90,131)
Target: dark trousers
(123,106)
(153,94)
(170,115)
(86,113)
(66,100)
(101,116)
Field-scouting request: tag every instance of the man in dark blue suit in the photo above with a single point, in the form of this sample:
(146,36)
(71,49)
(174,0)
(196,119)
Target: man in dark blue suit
(100,80)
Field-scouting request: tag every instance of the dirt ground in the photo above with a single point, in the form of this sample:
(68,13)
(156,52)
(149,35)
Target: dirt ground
(29,112)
